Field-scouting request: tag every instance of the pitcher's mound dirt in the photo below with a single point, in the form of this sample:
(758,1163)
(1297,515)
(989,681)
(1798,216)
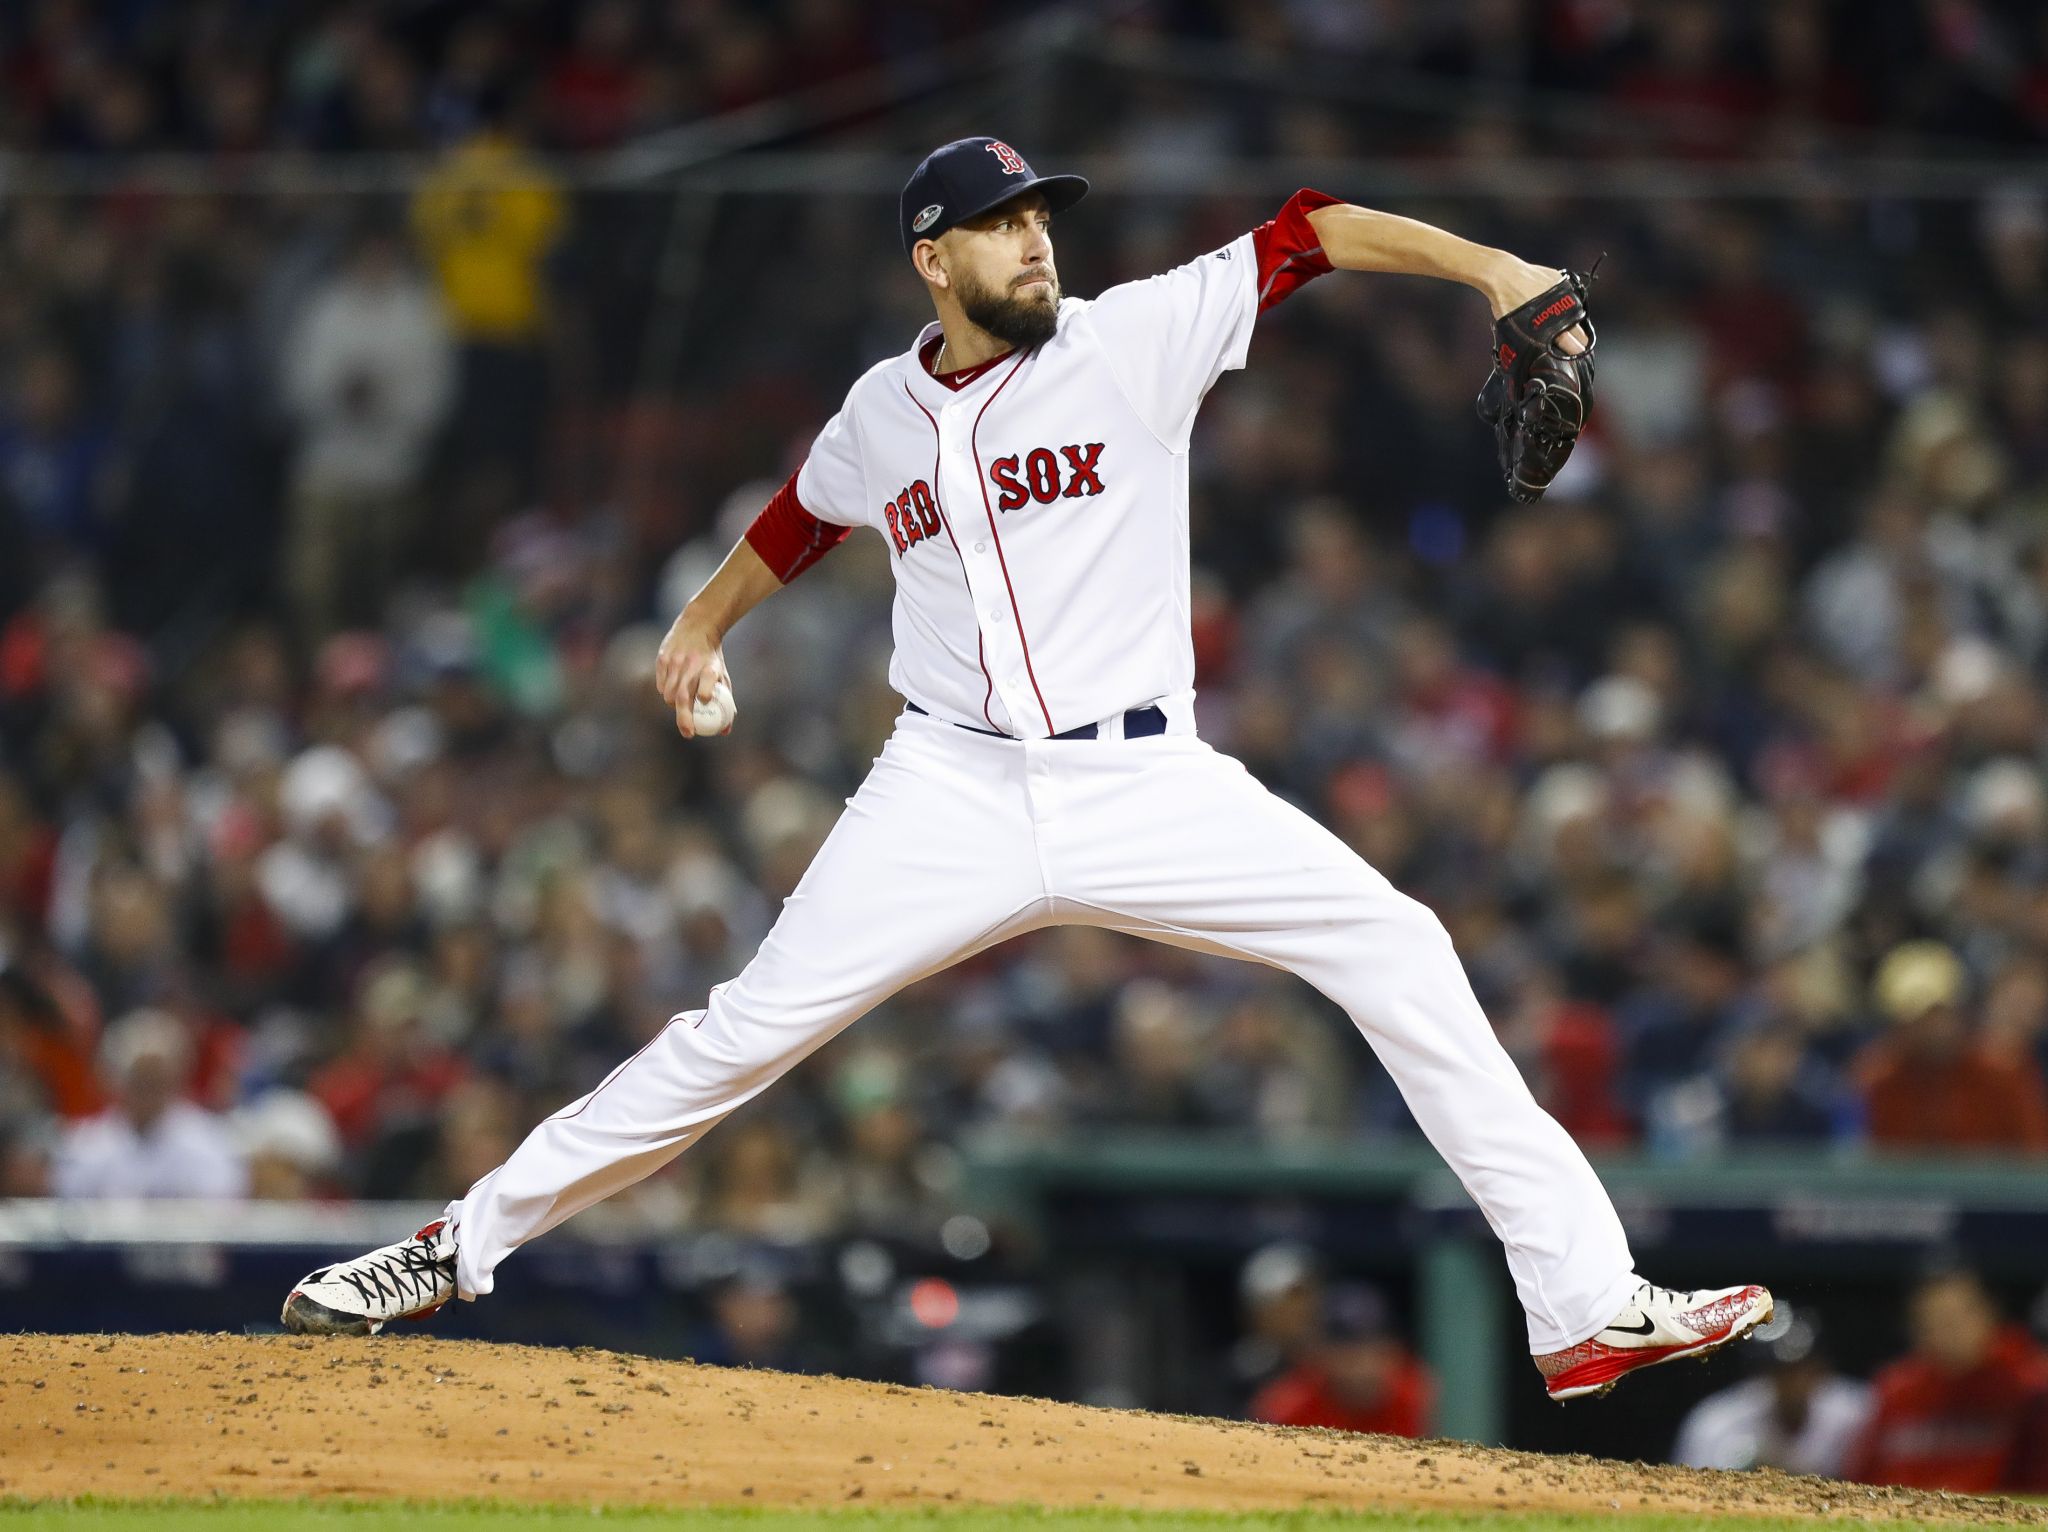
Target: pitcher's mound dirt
(178,1415)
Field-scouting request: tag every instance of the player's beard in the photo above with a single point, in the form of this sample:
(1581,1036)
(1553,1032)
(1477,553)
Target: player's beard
(1020,321)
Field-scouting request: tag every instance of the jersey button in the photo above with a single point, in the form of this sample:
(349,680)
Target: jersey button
(981,547)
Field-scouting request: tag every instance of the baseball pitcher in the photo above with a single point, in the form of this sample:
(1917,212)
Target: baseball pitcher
(1026,459)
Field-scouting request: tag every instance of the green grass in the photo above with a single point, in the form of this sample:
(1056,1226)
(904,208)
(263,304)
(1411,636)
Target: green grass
(297,1516)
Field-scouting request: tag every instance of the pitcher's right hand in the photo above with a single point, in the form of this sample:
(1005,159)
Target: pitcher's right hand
(688,667)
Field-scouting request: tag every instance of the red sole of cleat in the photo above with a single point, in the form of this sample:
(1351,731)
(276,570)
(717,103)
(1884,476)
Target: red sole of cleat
(1599,1377)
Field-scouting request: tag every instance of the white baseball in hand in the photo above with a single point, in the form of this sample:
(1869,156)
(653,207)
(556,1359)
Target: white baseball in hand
(715,716)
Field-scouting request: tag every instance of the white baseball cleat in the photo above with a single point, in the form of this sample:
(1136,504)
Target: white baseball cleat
(1658,1325)
(408,1280)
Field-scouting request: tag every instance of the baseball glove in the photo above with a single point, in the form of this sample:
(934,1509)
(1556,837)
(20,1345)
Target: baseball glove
(1538,396)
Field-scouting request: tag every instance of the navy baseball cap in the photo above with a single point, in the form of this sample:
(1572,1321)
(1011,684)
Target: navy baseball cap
(966,178)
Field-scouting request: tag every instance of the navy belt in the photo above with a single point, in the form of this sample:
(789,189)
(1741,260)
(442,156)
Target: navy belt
(1138,722)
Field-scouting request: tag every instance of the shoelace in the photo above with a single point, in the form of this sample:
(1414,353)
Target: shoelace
(410,1271)
(1650,1293)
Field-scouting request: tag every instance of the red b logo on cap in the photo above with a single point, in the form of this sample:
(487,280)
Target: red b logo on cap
(1011,161)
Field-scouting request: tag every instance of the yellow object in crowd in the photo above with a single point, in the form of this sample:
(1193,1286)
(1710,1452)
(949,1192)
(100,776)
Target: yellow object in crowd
(487,218)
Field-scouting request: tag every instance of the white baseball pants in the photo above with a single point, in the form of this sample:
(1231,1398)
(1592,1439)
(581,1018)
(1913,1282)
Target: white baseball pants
(958,840)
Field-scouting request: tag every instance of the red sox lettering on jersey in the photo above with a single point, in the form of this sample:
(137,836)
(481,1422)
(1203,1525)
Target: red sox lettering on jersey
(1037,506)
(1040,474)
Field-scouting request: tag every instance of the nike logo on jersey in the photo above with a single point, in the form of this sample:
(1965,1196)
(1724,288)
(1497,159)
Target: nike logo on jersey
(1040,475)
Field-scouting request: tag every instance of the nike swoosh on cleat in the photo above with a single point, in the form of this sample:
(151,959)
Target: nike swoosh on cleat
(1642,1329)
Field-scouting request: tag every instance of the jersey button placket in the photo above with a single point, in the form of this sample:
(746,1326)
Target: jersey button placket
(962,493)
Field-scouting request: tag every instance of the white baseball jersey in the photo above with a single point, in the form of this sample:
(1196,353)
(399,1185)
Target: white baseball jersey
(1037,507)
(1037,513)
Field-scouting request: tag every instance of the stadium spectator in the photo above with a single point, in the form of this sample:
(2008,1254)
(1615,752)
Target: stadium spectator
(54,458)
(290,1145)
(1274,1072)
(151,1142)
(1158,1054)
(1570,1054)
(1931,1083)
(489,219)
(754,1320)
(47,1052)
(1280,1291)
(754,1183)
(590,90)
(478,1125)
(1960,1411)
(893,1180)
(131,947)
(1797,1414)
(1674,1026)
(1355,1376)
(368,374)
(393,1076)
(1773,1092)
(2016,1011)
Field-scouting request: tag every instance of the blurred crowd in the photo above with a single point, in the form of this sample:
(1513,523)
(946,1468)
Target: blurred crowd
(341,833)
(227,77)
(1964,1408)
(231,77)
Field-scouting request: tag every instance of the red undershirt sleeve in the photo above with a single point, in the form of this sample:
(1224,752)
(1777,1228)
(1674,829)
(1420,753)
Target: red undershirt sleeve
(1286,248)
(789,538)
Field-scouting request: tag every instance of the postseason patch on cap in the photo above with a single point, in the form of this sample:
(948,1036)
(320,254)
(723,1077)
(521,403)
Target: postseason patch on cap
(926,219)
